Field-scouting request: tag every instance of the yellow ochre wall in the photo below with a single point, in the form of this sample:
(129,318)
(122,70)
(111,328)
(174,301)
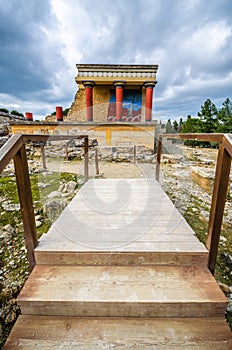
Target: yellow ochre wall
(107,134)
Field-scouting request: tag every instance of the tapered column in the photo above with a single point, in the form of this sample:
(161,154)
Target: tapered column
(149,96)
(59,113)
(29,116)
(119,99)
(89,99)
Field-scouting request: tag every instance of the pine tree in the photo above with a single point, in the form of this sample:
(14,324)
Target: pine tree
(225,117)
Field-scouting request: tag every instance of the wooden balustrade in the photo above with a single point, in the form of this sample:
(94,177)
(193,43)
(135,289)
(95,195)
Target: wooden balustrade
(15,149)
(221,183)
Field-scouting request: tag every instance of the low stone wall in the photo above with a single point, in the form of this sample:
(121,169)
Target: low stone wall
(204,177)
(120,153)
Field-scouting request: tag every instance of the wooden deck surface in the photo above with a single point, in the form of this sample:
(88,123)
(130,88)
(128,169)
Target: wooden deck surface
(121,269)
(121,216)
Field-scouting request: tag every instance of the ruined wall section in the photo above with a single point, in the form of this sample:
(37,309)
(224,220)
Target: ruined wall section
(101,96)
(77,110)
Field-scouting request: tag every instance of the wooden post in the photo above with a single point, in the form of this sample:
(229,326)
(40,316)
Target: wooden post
(218,203)
(158,158)
(26,203)
(86,157)
(66,151)
(43,156)
(96,162)
(134,154)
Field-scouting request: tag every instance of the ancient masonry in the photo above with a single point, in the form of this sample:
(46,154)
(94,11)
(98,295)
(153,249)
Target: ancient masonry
(113,104)
(113,93)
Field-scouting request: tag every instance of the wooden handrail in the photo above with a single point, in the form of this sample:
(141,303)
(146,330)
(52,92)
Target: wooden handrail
(220,189)
(9,149)
(15,149)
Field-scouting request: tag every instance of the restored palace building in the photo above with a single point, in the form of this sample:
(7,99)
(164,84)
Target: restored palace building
(113,104)
(114,93)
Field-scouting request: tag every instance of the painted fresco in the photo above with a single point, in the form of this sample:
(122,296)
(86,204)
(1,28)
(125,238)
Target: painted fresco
(131,107)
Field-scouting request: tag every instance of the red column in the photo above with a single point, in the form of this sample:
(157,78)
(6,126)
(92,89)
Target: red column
(119,99)
(149,96)
(89,99)
(59,113)
(29,116)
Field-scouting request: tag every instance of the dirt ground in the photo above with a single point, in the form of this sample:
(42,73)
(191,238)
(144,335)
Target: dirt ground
(106,169)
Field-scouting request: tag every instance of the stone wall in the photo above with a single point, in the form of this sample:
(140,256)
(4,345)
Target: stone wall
(77,111)
(101,96)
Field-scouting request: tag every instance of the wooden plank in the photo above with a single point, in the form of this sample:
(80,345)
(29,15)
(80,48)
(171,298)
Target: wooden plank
(120,258)
(227,143)
(46,332)
(48,137)
(121,291)
(212,137)
(86,158)
(9,149)
(98,219)
(218,204)
(26,202)
(158,158)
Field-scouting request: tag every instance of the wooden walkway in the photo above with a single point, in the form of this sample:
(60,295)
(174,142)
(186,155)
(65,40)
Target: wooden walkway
(121,269)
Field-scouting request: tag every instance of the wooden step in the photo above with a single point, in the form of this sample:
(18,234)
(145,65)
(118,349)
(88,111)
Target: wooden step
(59,332)
(140,257)
(121,291)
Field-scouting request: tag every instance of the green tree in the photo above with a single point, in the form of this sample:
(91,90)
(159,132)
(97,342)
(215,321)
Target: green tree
(4,110)
(175,125)
(191,125)
(225,117)
(180,125)
(169,128)
(17,113)
(66,111)
(208,115)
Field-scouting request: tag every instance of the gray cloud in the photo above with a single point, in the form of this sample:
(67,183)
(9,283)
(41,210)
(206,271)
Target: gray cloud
(29,57)
(190,40)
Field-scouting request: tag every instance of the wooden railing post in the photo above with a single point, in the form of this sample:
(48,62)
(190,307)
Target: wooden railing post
(96,162)
(134,154)
(158,158)
(86,157)
(218,204)
(66,151)
(43,156)
(26,203)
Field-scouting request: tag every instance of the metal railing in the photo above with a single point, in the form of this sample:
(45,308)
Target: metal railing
(15,149)
(220,189)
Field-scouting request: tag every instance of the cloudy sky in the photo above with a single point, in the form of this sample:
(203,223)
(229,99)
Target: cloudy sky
(42,40)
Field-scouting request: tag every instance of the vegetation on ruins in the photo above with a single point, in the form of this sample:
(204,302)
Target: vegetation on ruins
(14,112)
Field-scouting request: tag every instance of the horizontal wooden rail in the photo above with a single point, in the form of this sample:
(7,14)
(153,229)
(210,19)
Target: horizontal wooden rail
(221,183)
(15,149)
(9,149)
(196,137)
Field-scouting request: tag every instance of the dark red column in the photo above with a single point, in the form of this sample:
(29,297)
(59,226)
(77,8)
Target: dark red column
(29,116)
(149,97)
(59,113)
(119,99)
(89,99)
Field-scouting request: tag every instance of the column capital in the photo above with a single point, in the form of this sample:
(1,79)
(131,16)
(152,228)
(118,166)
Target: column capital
(119,83)
(150,84)
(88,83)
